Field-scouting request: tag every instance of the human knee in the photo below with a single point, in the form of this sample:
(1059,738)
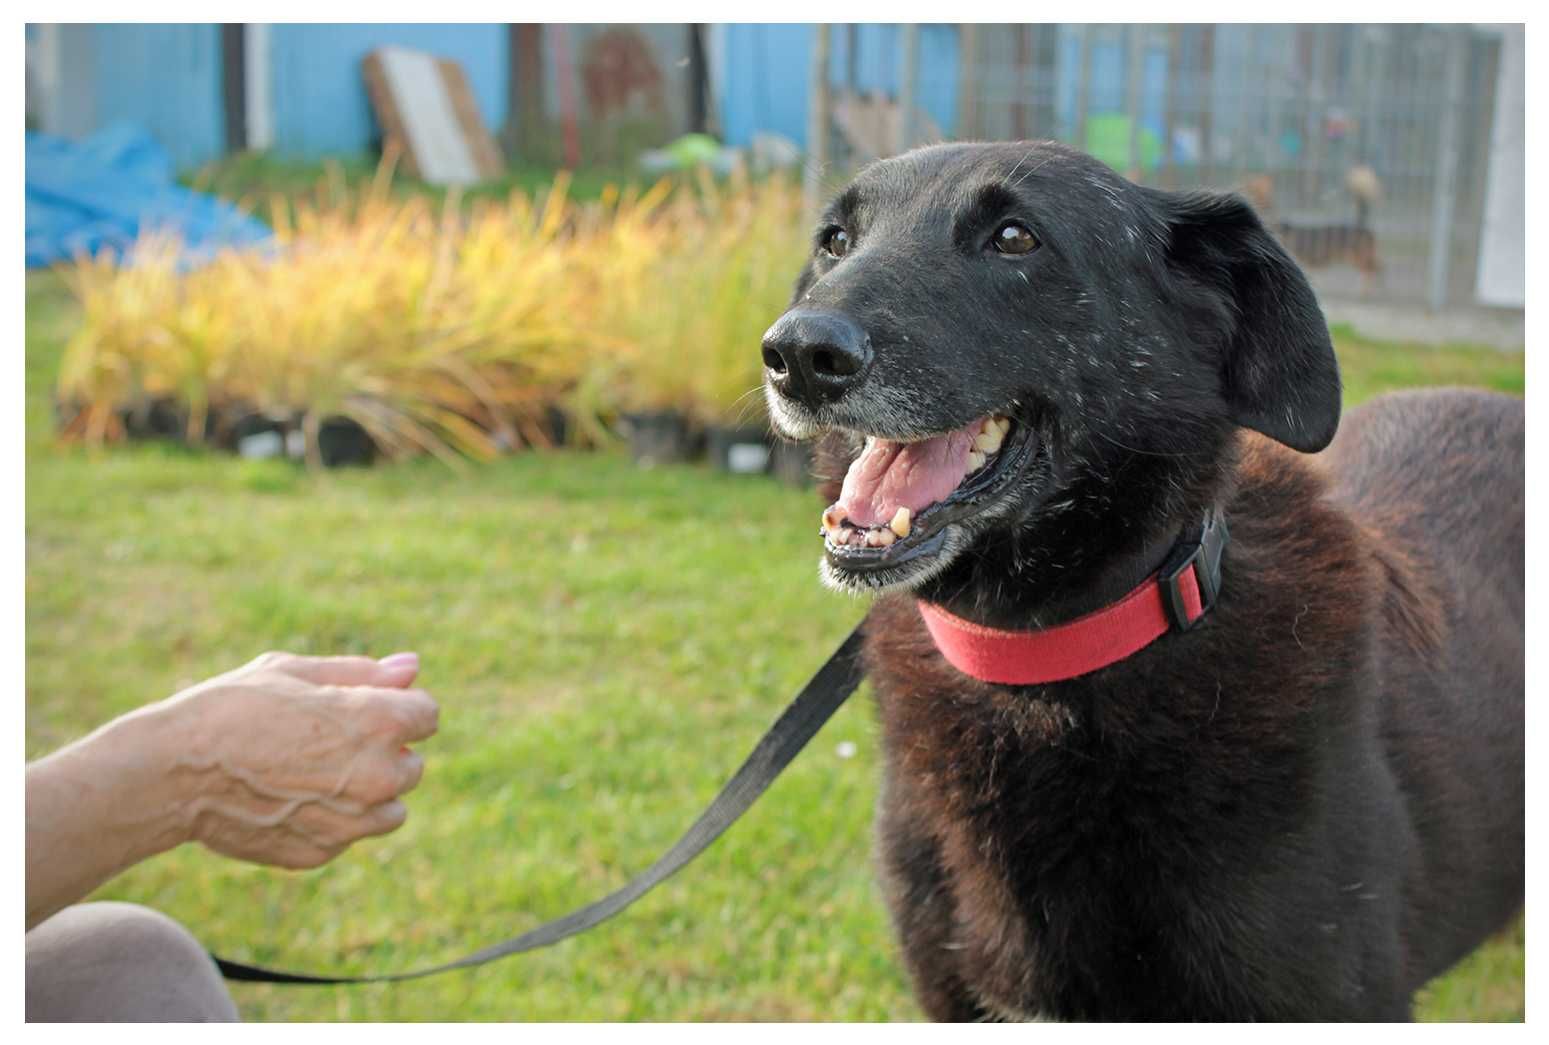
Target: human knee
(117,961)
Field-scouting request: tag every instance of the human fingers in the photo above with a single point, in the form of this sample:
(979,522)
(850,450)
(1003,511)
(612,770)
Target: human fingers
(395,672)
(380,776)
(402,715)
(330,829)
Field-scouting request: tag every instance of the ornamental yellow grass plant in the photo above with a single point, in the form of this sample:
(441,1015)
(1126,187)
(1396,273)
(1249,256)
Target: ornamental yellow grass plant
(452,330)
(724,272)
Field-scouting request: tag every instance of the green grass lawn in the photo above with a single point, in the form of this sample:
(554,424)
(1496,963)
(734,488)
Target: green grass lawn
(606,644)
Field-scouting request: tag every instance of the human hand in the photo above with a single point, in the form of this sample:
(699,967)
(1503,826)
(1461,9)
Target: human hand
(289,759)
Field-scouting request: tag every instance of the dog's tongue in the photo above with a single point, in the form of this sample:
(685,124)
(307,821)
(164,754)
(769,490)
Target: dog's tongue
(888,476)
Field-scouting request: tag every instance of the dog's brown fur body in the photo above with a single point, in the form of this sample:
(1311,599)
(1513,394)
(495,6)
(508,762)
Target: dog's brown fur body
(1168,823)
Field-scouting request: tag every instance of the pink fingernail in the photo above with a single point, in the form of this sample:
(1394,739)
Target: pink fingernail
(401,660)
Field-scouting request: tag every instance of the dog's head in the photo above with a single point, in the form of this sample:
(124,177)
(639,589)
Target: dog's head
(1009,336)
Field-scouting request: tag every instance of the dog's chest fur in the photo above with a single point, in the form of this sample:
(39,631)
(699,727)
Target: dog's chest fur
(1114,846)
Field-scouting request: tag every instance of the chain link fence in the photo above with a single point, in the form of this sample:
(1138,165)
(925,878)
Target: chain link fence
(1367,148)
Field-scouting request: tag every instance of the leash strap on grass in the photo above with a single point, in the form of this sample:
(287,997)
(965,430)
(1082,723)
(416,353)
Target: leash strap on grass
(813,706)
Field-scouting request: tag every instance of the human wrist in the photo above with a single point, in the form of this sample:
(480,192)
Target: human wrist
(101,805)
(142,754)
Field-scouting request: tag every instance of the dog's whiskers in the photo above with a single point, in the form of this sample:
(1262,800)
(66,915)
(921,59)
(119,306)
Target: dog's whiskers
(1023,160)
(746,405)
(1031,171)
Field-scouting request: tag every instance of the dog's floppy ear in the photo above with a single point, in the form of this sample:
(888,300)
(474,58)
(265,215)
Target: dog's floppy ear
(1278,373)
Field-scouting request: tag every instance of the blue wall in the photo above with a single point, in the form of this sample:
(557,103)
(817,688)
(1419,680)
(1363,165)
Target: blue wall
(320,103)
(765,74)
(167,78)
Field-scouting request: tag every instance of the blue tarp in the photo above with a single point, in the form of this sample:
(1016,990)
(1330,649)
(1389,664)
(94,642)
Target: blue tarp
(100,193)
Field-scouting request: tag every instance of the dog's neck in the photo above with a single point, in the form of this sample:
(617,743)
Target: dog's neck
(1017,605)
(1057,570)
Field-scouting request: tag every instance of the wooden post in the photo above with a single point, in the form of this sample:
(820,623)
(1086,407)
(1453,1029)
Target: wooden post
(1084,87)
(1168,176)
(1315,112)
(569,117)
(852,58)
(908,125)
(524,87)
(967,87)
(818,117)
(1019,102)
(698,93)
(258,86)
(1444,200)
(1134,76)
(1205,98)
(234,84)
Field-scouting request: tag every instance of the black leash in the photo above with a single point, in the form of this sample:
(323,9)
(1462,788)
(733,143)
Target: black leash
(813,706)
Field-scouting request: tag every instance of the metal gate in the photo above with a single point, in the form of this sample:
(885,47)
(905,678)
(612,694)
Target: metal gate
(1367,147)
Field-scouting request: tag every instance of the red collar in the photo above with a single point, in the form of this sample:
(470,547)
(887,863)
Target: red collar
(1175,597)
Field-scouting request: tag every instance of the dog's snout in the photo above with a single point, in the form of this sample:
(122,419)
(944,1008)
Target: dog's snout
(816,357)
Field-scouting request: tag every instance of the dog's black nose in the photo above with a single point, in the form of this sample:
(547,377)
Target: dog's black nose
(815,357)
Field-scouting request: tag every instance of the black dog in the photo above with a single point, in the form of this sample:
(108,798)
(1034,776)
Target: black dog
(1300,802)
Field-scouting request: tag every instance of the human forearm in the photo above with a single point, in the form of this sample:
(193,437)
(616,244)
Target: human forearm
(99,806)
(285,761)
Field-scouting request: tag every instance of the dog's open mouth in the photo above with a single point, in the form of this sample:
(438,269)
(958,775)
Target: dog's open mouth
(899,498)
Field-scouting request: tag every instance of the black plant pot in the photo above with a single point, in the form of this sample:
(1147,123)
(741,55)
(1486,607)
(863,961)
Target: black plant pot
(156,419)
(555,426)
(341,443)
(791,462)
(740,451)
(657,438)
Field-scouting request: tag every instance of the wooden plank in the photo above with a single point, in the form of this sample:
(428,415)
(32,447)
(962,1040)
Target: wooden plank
(427,111)
(388,118)
(486,154)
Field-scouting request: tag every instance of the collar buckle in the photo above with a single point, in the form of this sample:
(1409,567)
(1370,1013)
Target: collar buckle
(1201,549)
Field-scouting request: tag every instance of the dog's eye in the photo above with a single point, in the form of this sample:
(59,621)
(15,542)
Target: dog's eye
(1012,238)
(836,242)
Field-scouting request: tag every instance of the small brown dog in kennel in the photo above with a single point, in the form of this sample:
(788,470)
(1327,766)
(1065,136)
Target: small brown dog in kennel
(1318,245)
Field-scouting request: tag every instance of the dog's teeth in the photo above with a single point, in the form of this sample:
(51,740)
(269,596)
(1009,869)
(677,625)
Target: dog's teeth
(881,537)
(841,536)
(1003,424)
(831,520)
(988,441)
(975,461)
(900,522)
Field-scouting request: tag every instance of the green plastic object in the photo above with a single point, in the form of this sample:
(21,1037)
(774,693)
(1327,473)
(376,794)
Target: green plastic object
(693,150)
(1107,138)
